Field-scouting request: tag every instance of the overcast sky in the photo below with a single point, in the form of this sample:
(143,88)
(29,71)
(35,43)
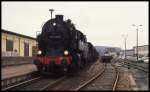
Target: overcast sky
(103,23)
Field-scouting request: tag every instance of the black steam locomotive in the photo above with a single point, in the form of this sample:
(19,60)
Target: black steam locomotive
(62,48)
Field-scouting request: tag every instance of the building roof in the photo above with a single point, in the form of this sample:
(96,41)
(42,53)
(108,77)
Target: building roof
(17,34)
(140,46)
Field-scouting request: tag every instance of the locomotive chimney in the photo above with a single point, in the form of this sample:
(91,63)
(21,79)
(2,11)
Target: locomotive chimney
(59,18)
(51,10)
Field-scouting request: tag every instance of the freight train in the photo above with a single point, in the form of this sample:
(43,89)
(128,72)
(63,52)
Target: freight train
(62,48)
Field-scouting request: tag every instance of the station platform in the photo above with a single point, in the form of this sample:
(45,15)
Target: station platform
(12,71)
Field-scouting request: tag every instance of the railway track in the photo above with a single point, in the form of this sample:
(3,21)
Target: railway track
(54,83)
(107,74)
(38,83)
(20,84)
(73,85)
(137,67)
(92,79)
(129,64)
(100,76)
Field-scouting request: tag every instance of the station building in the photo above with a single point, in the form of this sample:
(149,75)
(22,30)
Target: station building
(14,44)
(142,50)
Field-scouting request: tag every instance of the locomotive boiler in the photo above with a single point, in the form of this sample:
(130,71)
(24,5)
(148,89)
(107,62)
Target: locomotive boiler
(62,48)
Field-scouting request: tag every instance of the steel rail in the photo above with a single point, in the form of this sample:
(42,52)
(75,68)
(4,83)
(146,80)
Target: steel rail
(92,79)
(117,78)
(53,83)
(22,83)
(136,66)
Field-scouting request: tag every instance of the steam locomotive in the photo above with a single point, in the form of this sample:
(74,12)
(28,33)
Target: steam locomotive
(62,48)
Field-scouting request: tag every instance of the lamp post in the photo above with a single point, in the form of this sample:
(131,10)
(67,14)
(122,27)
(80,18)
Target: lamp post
(136,39)
(125,38)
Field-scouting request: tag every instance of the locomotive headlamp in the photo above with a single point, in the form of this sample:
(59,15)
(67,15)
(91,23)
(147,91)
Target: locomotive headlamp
(66,52)
(39,52)
(54,24)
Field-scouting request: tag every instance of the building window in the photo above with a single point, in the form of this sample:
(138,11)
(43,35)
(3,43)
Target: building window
(9,45)
(26,49)
(34,50)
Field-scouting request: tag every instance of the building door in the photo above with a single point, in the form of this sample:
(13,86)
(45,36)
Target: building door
(9,45)
(26,49)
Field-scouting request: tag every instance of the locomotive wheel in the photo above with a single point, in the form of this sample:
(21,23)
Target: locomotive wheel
(72,68)
(65,69)
(80,63)
(84,62)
